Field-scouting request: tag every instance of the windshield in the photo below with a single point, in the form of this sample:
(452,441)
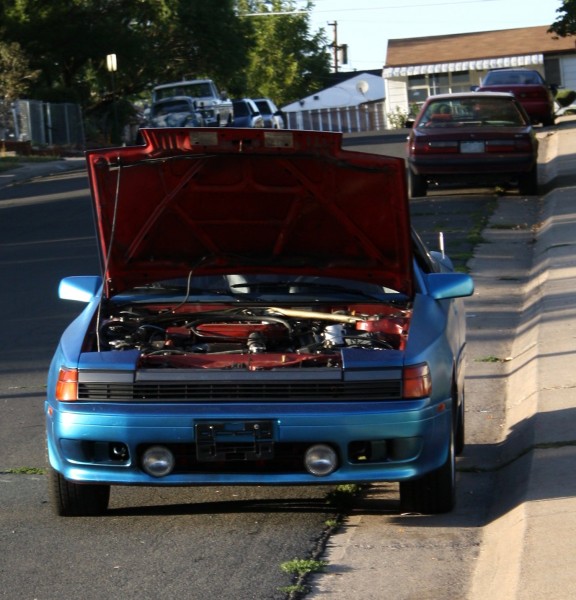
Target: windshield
(192,90)
(264,107)
(241,109)
(493,111)
(513,78)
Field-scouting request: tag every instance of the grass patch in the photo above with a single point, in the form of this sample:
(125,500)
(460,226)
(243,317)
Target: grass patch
(342,497)
(26,471)
(475,237)
(301,567)
(489,359)
(294,590)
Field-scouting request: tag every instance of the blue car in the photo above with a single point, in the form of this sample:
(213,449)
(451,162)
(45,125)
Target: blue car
(246,114)
(264,315)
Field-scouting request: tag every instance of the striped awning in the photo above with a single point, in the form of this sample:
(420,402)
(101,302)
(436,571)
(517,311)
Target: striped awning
(482,64)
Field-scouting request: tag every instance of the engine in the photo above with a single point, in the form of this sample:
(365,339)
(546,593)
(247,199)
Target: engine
(257,337)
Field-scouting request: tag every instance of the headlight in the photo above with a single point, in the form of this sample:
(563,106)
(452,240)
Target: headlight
(158,461)
(320,460)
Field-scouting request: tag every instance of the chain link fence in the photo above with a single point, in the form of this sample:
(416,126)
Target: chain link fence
(43,123)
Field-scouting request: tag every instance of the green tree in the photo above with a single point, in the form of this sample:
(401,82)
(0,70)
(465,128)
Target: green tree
(69,40)
(210,41)
(15,78)
(15,72)
(154,41)
(287,60)
(565,24)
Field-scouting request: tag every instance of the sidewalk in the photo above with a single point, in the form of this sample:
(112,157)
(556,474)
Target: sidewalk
(529,553)
(31,170)
(527,541)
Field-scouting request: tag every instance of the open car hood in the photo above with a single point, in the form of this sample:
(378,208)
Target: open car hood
(221,201)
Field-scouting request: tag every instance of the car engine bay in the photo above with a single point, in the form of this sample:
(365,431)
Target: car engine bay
(249,337)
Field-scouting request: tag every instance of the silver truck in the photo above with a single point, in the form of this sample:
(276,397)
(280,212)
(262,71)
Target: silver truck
(213,105)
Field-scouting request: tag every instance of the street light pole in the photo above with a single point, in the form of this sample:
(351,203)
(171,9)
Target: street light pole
(112,67)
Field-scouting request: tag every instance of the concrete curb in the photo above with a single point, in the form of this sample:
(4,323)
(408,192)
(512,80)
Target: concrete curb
(516,561)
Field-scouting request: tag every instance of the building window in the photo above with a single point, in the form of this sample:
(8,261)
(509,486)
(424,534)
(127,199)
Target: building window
(439,83)
(460,82)
(422,86)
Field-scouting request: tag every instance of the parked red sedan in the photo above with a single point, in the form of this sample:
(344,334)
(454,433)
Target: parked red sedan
(475,139)
(530,89)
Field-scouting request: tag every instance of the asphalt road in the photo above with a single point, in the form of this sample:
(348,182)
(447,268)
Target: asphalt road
(186,543)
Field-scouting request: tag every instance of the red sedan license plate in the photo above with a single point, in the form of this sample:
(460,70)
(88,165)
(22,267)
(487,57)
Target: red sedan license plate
(471,147)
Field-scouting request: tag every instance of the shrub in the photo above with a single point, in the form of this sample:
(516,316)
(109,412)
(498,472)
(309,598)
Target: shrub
(565,97)
(397,119)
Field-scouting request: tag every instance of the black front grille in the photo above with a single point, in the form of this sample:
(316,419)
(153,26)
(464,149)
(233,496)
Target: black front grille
(202,391)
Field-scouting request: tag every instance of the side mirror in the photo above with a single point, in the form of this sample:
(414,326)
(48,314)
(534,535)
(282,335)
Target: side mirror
(81,288)
(449,285)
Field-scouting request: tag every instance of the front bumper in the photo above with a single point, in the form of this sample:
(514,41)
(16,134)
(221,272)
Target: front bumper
(375,441)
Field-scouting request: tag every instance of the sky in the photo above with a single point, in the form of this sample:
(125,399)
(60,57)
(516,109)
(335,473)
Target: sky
(367,25)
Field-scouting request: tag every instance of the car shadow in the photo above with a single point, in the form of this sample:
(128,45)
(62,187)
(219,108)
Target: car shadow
(142,501)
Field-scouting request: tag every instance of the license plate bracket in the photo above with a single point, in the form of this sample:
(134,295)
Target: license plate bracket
(218,441)
(472,147)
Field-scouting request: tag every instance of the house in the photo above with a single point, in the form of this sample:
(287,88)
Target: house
(350,105)
(416,68)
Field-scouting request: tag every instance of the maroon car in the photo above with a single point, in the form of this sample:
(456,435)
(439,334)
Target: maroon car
(530,89)
(475,139)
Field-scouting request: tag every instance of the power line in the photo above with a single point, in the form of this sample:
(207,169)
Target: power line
(372,8)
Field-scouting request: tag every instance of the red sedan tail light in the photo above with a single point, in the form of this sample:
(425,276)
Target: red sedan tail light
(518,144)
(524,144)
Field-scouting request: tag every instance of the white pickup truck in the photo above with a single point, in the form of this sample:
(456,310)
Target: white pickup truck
(214,106)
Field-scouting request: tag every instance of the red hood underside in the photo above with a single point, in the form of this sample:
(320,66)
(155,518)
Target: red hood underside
(217,201)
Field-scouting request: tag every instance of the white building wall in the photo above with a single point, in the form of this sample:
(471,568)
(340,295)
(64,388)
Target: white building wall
(396,96)
(568,72)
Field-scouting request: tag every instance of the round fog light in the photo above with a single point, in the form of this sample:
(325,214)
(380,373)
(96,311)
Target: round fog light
(158,461)
(320,460)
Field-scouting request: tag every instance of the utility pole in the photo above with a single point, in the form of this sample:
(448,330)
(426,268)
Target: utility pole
(336,49)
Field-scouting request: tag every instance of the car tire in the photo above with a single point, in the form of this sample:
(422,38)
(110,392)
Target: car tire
(528,182)
(434,493)
(77,500)
(417,184)
(548,121)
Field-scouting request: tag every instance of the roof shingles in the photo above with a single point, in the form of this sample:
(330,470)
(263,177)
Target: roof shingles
(475,46)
